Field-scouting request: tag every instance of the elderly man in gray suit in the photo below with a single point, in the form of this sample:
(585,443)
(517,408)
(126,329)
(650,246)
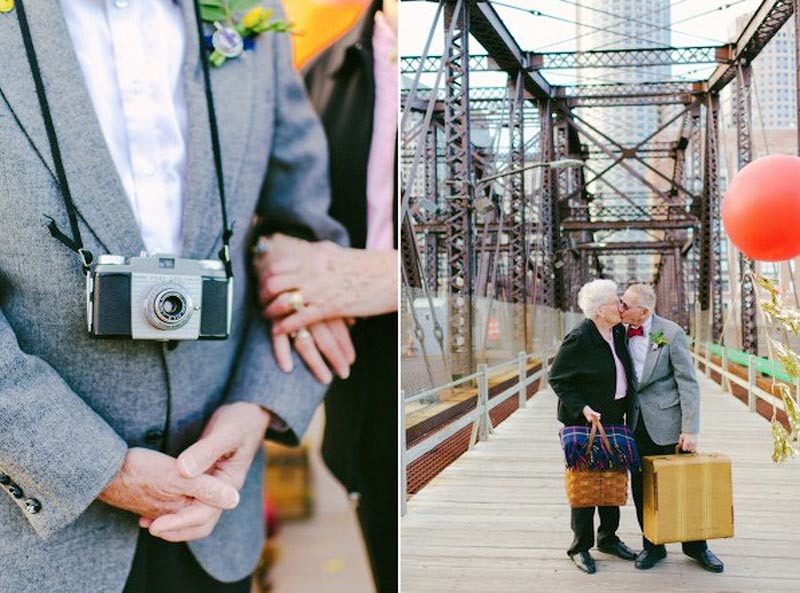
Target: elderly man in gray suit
(118,137)
(665,414)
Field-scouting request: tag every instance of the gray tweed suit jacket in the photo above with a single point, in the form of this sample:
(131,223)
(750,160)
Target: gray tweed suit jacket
(668,395)
(71,405)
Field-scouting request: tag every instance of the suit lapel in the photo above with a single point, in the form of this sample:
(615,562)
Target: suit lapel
(652,355)
(234,103)
(94,183)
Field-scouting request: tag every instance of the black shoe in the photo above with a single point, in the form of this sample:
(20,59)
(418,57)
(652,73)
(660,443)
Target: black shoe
(619,550)
(584,561)
(709,561)
(649,558)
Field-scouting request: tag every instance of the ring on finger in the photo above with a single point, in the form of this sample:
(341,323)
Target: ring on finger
(301,334)
(296,301)
(261,247)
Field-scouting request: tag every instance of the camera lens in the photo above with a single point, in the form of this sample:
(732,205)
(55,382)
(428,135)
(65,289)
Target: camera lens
(168,307)
(173,305)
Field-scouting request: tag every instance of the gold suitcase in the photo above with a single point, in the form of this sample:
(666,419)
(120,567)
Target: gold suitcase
(687,497)
(288,480)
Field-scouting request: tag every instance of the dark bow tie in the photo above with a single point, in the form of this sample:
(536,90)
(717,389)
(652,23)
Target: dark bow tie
(635,331)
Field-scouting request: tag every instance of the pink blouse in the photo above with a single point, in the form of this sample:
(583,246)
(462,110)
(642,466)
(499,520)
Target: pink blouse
(622,381)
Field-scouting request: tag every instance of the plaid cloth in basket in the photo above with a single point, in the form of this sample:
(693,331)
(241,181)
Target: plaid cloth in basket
(623,453)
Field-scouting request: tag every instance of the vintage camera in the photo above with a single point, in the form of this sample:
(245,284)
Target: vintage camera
(158,297)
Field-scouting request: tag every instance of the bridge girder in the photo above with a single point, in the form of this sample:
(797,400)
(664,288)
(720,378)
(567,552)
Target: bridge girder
(566,214)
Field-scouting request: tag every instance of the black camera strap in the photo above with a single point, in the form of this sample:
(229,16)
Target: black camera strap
(227,231)
(75,243)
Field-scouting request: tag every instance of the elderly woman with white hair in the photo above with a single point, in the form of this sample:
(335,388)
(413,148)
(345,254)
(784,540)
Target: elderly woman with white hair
(592,376)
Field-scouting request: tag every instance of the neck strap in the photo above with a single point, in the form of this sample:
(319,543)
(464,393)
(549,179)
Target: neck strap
(75,242)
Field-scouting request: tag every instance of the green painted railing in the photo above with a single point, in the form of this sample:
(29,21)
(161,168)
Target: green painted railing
(763,365)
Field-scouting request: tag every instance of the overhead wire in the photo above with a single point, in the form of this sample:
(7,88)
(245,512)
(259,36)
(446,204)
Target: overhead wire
(627,19)
(648,74)
(620,22)
(609,29)
(539,13)
(657,27)
(720,8)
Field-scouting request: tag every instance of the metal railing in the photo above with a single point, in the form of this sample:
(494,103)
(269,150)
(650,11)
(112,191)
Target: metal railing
(702,354)
(479,417)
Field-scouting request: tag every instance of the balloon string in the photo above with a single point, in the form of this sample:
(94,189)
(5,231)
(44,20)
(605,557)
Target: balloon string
(770,352)
(736,297)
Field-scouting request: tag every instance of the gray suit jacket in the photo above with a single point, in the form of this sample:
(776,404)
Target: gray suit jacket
(71,405)
(668,395)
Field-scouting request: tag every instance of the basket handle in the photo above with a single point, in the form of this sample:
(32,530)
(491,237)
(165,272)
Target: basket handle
(596,424)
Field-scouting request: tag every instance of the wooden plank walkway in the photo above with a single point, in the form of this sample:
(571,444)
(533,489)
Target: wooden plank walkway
(497,521)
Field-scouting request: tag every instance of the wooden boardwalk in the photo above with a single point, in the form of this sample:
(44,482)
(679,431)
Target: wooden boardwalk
(496,521)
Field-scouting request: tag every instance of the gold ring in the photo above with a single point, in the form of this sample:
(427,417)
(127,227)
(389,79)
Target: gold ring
(300,334)
(296,301)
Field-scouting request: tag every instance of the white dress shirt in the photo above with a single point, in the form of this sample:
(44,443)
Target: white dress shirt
(638,345)
(131,54)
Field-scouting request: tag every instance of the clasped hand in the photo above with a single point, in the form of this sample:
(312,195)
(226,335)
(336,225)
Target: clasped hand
(183,499)
(336,285)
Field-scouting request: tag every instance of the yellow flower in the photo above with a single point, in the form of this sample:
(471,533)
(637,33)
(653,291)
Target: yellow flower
(253,17)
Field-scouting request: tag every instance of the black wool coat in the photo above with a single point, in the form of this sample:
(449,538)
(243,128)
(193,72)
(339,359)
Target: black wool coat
(583,373)
(360,445)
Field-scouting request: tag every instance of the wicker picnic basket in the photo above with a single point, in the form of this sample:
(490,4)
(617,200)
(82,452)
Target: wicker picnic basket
(595,487)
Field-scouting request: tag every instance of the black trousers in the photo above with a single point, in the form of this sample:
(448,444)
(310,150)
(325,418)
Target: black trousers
(378,519)
(582,522)
(360,444)
(582,518)
(165,567)
(646,446)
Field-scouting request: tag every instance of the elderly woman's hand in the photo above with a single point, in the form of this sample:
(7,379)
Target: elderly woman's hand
(329,281)
(590,414)
(329,339)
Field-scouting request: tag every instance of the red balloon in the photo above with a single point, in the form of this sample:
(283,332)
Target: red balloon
(761,209)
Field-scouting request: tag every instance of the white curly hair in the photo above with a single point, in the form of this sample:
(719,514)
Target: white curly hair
(594,295)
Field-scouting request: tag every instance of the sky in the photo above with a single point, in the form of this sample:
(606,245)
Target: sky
(555,29)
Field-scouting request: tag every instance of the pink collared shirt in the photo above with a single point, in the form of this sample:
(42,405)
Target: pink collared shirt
(622,380)
(381,164)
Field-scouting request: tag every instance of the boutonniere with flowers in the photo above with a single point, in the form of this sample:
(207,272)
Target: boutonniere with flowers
(237,24)
(657,340)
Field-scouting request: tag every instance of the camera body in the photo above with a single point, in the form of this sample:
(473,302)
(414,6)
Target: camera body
(158,297)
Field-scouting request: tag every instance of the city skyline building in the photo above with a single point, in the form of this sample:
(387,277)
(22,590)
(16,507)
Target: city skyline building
(629,24)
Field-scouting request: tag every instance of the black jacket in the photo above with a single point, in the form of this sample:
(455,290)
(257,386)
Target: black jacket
(584,373)
(360,444)
(341,86)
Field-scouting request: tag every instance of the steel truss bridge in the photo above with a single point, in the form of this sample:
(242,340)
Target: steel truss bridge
(483,219)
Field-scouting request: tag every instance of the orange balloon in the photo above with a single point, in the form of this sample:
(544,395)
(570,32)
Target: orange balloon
(761,209)
(320,23)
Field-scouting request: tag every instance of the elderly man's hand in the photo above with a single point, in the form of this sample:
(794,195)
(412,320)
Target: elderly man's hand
(224,452)
(150,484)
(688,442)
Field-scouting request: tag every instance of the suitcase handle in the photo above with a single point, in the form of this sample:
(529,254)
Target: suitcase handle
(679,451)
(596,424)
